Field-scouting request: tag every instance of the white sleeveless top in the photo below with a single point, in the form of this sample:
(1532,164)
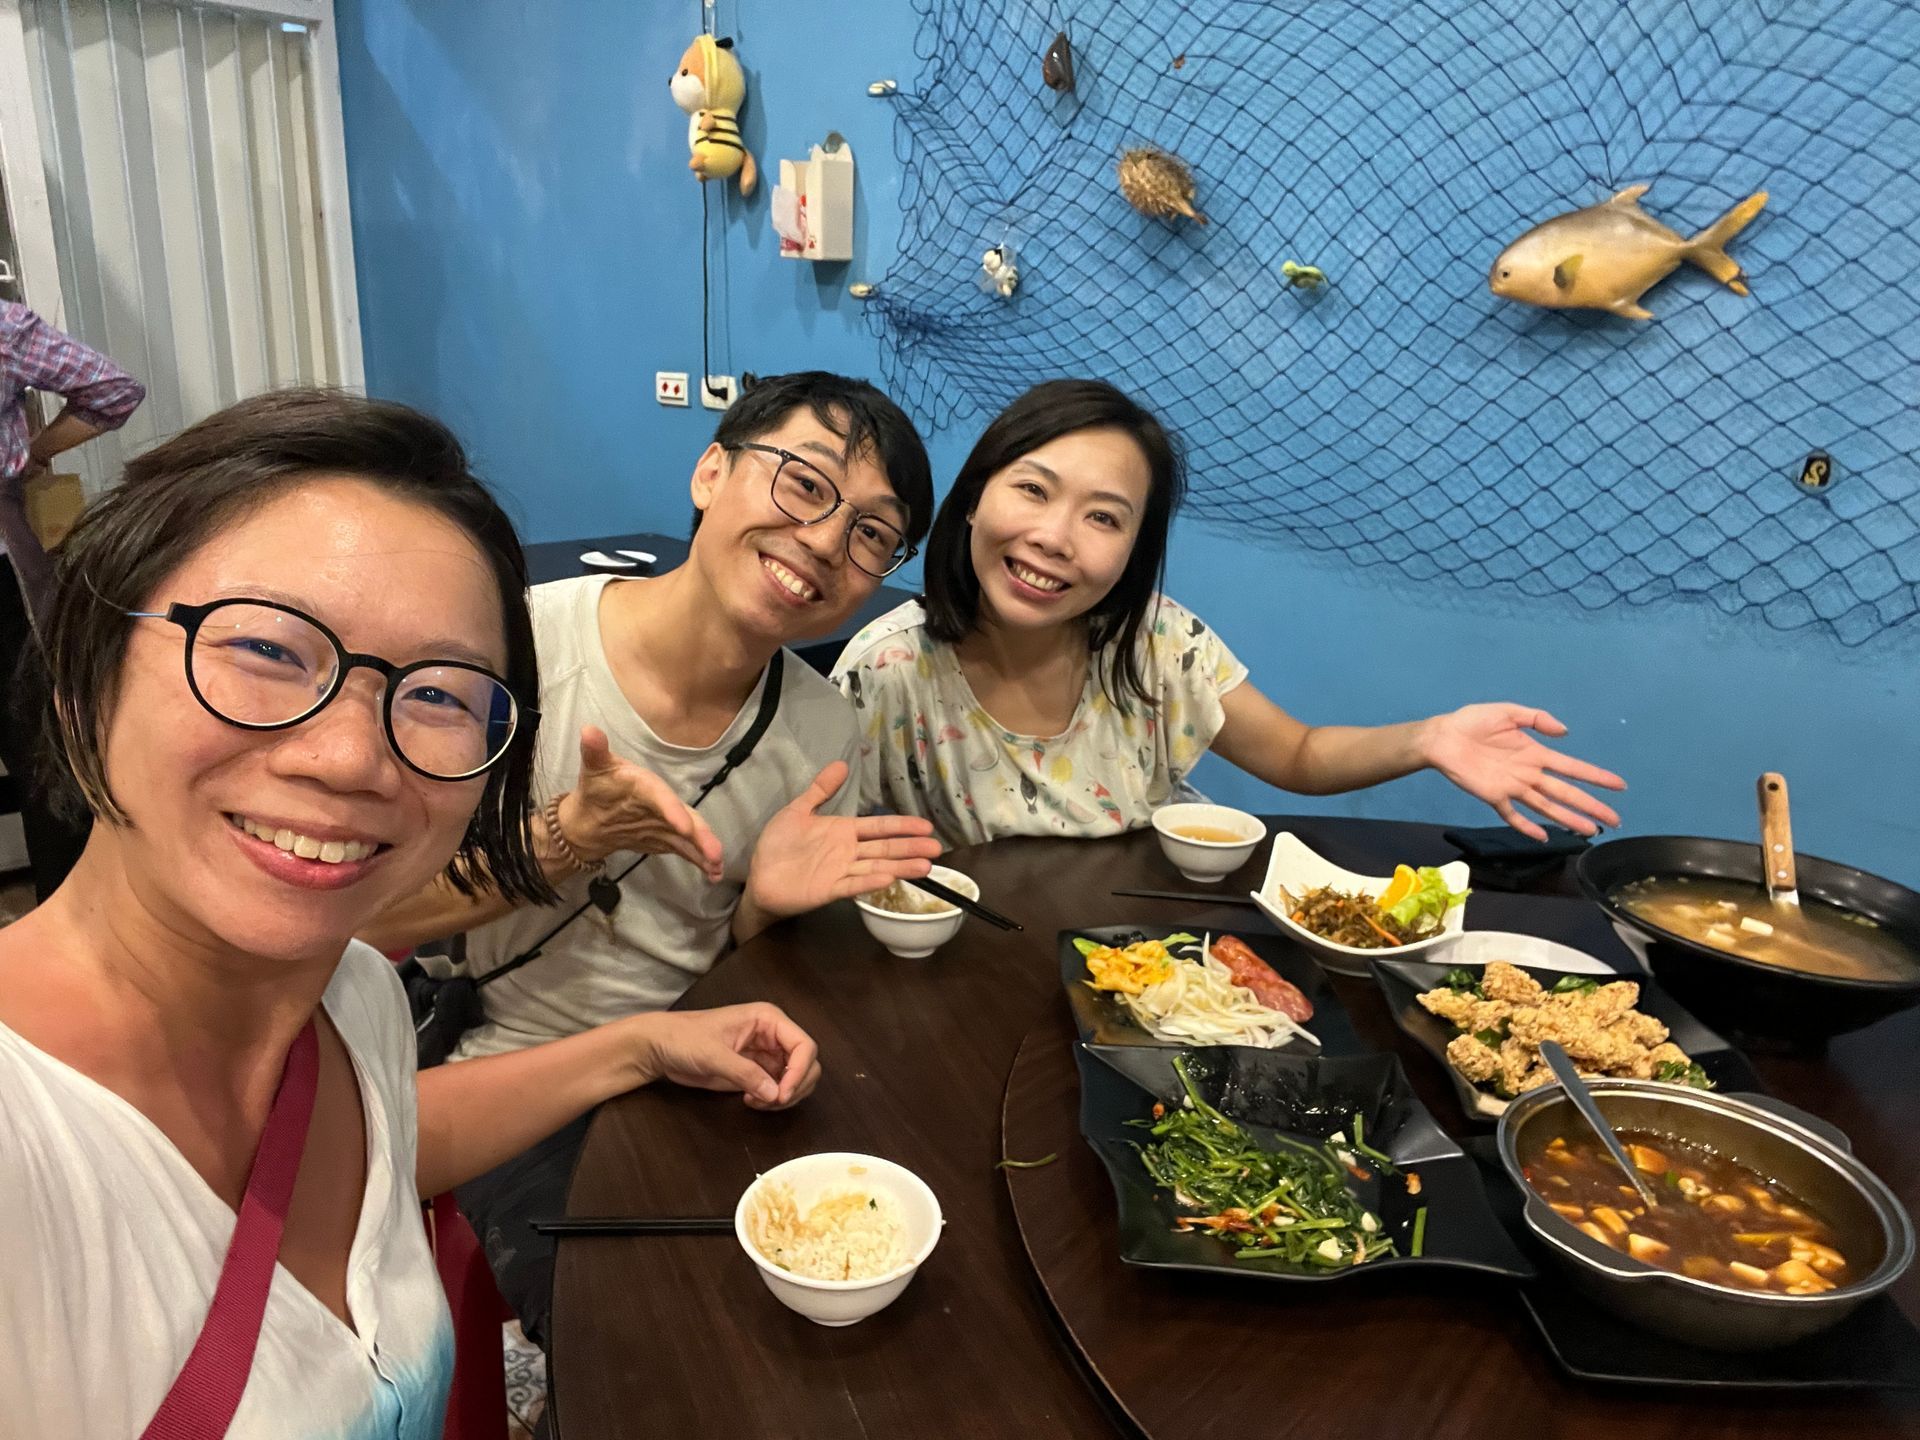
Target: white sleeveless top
(111,1244)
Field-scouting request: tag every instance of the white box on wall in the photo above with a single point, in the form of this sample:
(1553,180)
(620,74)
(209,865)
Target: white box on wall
(813,204)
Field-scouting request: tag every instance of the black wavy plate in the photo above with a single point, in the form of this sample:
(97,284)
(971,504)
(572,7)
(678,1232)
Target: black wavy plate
(1102,1020)
(1402,981)
(1306,1097)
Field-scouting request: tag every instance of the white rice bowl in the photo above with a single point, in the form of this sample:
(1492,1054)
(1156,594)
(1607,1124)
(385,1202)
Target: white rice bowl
(851,1234)
(902,898)
(837,1236)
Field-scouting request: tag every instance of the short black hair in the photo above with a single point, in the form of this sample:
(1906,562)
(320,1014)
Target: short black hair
(1044,414)
(852,409)
(178,496)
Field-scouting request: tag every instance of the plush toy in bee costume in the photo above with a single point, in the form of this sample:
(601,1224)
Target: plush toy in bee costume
(711,87)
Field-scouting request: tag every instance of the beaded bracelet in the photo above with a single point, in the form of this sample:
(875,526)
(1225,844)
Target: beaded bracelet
(565,846)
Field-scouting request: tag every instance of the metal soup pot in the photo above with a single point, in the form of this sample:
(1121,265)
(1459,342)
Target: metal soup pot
(1804,1155)
(1729,990)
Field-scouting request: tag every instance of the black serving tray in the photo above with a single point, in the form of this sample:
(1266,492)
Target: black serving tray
(1403,981)
(1308,1098)
(1102,1020)
(1876,1347)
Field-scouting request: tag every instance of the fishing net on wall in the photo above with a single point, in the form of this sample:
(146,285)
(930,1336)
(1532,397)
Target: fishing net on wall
(1402,417)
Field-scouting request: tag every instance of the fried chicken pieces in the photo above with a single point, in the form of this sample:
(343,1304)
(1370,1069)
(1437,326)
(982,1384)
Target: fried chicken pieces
(1499,1043)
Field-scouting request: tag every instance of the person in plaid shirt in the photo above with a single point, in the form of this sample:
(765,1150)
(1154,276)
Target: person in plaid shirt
(100,396)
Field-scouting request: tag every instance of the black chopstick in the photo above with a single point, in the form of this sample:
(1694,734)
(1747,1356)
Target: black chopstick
(1198,897)
(630,1225)
(972,907)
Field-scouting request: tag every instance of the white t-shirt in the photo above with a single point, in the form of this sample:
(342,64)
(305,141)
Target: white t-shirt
(111,1245)
(928,746)
(670,925)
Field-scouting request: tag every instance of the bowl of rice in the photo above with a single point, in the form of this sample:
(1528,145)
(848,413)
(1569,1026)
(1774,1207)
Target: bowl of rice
(837,1236)
(910,922)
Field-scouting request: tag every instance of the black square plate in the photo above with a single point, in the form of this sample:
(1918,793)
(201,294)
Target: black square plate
(1306,1097)
(1102,1020)
(1876,1347)
(1403,981)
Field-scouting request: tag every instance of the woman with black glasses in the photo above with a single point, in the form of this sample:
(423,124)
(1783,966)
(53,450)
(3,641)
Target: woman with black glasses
(293,679)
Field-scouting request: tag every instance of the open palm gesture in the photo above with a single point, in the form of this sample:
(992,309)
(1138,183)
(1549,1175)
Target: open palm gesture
(805,859)
(618,805)
(1489,752)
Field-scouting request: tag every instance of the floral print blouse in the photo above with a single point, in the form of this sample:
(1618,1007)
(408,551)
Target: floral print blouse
(928,747)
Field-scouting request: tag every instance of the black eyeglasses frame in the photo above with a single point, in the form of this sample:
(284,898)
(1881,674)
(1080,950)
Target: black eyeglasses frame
(191,617)
(787,457)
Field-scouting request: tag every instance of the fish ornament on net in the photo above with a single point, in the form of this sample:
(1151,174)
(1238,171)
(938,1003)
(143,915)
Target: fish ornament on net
(1158,184)
(1606,256)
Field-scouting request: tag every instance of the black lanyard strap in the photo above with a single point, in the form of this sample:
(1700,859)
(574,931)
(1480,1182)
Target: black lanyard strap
(602,888)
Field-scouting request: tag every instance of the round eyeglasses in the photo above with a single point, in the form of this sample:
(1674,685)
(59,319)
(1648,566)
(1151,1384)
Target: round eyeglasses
(261,665)
(803,493)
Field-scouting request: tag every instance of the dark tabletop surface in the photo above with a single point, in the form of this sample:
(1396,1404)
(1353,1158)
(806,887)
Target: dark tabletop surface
(677,1335)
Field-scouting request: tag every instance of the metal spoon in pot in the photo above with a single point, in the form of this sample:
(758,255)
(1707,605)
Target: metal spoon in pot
(1562,1065)
(1776,840)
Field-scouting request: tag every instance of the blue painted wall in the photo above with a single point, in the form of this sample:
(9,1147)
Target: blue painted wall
(528,243)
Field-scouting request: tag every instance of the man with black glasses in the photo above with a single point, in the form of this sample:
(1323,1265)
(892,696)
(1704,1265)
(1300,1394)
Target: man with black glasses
(652,690)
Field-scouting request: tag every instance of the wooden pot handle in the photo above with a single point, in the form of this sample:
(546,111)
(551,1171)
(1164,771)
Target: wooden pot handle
(1776,834)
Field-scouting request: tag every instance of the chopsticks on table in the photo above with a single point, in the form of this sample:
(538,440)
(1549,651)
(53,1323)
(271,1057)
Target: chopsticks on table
(1198,897)
(972,907)
(634,1225)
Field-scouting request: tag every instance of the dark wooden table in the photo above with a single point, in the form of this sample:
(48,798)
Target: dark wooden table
(560,560)
(675,1336)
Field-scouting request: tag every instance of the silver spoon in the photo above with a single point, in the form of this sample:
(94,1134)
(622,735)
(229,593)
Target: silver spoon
(1562,1065)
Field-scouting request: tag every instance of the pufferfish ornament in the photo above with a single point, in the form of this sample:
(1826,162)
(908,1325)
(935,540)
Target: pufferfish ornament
(1158,184)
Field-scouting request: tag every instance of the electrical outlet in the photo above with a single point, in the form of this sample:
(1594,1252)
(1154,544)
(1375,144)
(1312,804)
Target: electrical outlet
(670,387)
(719,392)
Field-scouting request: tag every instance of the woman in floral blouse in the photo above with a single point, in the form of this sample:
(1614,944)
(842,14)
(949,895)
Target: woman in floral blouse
(1044,686)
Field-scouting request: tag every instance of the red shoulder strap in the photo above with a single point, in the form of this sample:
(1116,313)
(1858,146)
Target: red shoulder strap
(207,1391)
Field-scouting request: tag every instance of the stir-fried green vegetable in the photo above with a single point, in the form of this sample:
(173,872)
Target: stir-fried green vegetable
(1026,1164)
(1467,983)
(1678,1073)
(1292,1203)
(1575,985)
